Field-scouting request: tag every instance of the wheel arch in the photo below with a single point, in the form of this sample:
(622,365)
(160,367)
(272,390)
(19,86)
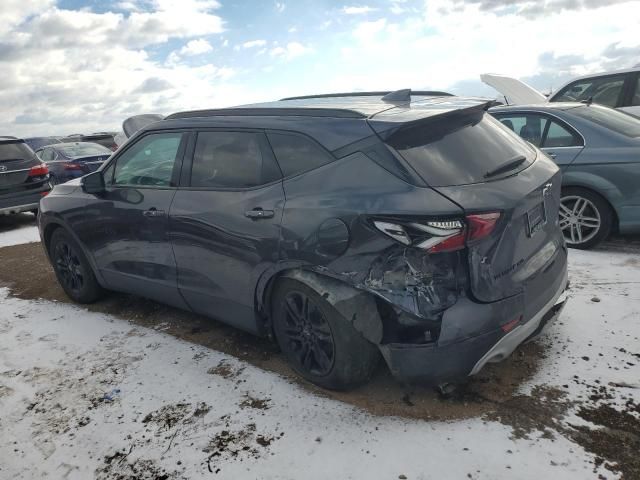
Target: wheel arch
(48,231)
(357,306)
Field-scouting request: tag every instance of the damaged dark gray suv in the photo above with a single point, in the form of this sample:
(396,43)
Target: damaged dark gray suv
(407,224)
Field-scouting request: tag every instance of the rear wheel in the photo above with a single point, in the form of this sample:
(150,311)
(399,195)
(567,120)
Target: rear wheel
(319,343)
(72,269)
(585,217)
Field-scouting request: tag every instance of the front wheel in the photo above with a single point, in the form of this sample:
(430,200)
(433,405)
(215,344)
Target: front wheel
(585,217)
(319,343)
(72,269)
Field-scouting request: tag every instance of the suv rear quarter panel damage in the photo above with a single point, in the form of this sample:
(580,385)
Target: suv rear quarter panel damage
(329,242)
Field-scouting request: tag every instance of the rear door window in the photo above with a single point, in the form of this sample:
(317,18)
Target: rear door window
(461,148)
(297,154)
(602,90)
(232,160)
(560,136)
(529,126)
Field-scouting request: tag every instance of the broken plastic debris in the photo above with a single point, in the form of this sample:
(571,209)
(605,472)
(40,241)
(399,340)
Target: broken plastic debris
(112,395)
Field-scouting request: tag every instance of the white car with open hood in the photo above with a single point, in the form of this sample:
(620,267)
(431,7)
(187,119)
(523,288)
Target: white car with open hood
(618,89)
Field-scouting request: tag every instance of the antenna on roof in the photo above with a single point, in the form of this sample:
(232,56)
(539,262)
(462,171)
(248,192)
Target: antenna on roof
(398,96)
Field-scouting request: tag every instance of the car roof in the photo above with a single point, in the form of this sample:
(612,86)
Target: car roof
(339,105)
(334,120)
(7,138)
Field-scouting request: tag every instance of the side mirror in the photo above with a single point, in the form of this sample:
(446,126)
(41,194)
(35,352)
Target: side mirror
(93,183)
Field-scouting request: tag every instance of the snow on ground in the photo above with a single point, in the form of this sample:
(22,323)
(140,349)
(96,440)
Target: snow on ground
(26,234)
(58,362)
(86,395)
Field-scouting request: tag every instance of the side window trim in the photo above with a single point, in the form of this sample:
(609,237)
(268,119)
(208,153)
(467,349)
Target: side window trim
(177,167)
(266,151)
(302,135)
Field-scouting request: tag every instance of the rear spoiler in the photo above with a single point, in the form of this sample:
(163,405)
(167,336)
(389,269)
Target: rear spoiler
(439,121)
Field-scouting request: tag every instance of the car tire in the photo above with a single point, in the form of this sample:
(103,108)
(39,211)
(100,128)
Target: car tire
(318,342)
(586,218)
(72,269)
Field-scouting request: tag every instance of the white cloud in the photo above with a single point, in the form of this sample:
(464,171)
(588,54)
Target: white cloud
(292,29)
(196,47)
(367,31)
(290,51)
(280,6)
(254,43)
(357,10)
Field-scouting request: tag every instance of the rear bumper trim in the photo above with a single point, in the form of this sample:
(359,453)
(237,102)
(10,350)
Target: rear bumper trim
(507,344)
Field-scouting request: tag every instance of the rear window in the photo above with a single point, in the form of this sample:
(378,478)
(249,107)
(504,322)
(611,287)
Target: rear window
(615,120)
(83,149)
(15,151)
(460,149)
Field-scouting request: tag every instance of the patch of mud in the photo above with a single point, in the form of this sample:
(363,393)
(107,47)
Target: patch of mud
(118,466)
(168,416)
(539,412)
(236,445)
(615,440)
(256,403)
(225,369)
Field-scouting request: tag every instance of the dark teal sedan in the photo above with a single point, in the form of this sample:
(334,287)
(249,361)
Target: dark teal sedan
(598,150)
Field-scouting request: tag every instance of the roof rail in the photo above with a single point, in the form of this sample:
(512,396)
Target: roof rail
(426,93)
(266,111)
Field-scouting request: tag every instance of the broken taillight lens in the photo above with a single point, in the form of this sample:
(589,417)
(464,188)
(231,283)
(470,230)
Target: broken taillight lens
(442,235)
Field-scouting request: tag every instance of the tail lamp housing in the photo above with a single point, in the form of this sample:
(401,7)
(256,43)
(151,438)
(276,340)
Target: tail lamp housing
(441,235)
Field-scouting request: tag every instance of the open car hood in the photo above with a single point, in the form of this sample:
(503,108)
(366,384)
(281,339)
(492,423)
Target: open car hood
(132,124)
(514,91)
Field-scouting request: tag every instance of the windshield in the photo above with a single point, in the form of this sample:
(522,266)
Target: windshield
(462,149)
(615,120)
(83,150)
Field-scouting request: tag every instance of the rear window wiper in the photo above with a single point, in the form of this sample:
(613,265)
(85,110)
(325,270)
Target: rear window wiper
(505,167)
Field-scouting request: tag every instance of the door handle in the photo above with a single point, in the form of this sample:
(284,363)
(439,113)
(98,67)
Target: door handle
(258,213)
(153,212)
(552,155)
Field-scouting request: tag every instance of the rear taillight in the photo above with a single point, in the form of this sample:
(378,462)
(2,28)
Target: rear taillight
(39,170)
(481,225)
(443,235)
(71,166)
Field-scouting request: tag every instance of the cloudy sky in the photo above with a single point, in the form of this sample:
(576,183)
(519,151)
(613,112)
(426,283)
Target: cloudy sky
(77,66)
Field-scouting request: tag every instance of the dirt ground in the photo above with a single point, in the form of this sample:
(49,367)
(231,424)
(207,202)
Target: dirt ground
(492,395)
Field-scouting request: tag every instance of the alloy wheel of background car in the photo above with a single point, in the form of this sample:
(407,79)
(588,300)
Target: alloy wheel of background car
(585,218)
(308,334)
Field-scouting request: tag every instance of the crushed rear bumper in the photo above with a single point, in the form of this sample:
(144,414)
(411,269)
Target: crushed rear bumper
(438,363)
